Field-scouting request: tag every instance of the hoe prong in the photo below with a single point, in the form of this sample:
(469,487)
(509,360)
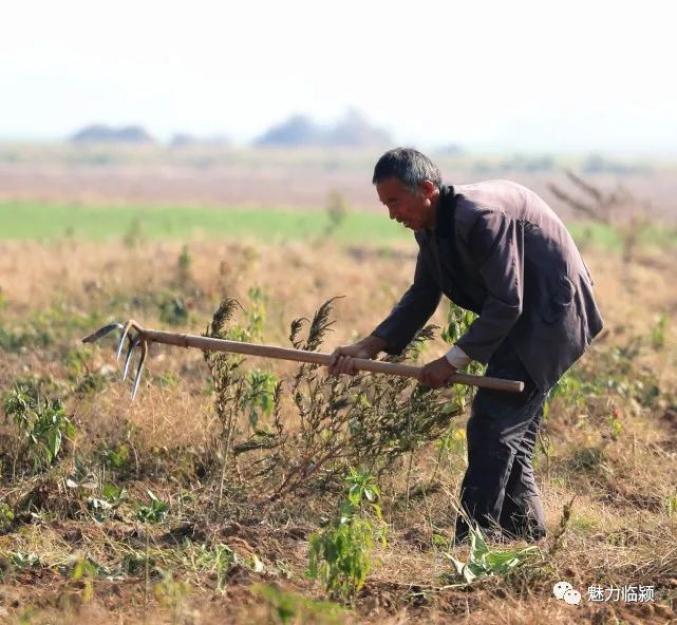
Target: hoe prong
(125,331)
(133,344)
(101,332)
(139,369)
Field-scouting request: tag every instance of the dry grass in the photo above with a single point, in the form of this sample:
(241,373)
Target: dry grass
(614,451)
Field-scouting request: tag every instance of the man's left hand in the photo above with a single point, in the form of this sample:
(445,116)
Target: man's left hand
(437,373)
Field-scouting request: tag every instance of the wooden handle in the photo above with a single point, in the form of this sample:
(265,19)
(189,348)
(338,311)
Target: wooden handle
(298,355)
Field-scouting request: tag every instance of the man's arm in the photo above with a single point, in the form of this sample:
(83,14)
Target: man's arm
(412,311)
(395,332)
(496,243)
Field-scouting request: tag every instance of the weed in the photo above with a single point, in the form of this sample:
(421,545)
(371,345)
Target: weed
(113,494)
(337,211)
(484,562)
(658,331)
(117,457)
(134,235)
(16,341)
(85,571)
(23,560)
(340,554)
(286,607)
(588,459)
(560,533)
(173,310)
(183,267)
(42,421)
(259,395)
(172,594)
(363,420)
(154,512)
(217,559)
(6,516)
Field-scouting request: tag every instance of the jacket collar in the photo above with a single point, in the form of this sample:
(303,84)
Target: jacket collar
(443,228)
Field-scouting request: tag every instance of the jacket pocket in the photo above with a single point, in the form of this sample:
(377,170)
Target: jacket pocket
(558,299)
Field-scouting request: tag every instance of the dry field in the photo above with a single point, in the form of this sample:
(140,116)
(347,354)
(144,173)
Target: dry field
(82,541)
(299,178)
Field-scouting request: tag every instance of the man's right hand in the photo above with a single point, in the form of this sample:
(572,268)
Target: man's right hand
(342,359)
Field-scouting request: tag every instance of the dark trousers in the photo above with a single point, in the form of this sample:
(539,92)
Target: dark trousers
(499,492)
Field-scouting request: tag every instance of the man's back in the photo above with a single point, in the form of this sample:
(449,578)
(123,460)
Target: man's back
(500,224)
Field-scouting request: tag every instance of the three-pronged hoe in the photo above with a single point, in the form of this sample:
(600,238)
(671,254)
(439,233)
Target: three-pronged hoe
(133,334)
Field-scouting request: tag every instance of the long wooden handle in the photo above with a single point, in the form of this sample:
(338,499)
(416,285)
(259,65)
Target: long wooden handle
(319,358)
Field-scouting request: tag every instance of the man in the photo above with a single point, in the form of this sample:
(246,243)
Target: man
(495,248)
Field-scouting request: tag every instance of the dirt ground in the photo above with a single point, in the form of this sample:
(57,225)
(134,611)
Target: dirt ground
(609,444)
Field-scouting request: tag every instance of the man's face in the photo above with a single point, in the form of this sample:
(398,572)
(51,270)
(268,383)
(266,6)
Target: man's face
(413,210)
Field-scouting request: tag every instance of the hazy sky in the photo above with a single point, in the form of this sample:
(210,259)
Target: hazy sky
(522,75)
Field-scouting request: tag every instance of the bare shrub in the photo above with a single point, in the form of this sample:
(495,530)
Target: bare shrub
(332,423)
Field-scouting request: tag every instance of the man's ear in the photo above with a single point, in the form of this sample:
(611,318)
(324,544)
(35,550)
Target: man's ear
(427,188)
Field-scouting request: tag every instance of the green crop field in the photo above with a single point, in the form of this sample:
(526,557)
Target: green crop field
(46,221)
(36,221)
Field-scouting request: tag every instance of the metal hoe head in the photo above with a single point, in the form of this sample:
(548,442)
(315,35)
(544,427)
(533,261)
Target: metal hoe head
(130,334)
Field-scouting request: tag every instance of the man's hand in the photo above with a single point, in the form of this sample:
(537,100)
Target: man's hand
(342,357)
(437,373)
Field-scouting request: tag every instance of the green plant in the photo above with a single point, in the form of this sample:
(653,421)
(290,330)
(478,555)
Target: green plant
(18,340)
(259,395)
(172,594)
(337,211)
(340,554)
(41,420)
(117,457)
(671,506)
(154,512)
(183,266)
(289,607)
(217,559)
(255,318)
(658,332)
(484,562)
(24,560)
(134,234)
(173,310)
(85,571)
(6,516)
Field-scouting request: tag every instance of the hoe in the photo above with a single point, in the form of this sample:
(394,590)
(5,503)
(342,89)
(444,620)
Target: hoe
(138,338)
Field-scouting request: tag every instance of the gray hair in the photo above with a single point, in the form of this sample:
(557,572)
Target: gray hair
(409,166)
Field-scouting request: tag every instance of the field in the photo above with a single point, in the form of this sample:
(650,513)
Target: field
(204,499)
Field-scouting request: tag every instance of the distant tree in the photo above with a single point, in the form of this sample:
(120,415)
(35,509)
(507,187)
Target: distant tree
(450,149)
(183,139)
(297,130)
(101,133)
(353,130)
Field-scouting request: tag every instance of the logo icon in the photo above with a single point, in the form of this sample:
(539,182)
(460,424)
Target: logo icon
(564,591)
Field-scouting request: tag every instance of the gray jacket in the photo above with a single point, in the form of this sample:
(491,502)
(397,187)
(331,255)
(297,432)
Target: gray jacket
(499,250)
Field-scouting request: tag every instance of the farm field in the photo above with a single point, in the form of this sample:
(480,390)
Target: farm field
(198,502)
(45,222)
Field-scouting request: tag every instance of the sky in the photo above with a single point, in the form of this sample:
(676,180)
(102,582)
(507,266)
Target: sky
(522,75)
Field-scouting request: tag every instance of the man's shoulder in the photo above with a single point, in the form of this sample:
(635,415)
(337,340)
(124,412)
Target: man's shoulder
(482,199)
(486,199)
(490,194)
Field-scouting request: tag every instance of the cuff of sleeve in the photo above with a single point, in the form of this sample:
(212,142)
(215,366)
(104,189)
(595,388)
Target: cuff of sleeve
(457,357)
(389,348)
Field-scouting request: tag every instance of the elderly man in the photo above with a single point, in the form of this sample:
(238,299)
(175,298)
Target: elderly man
(498,249)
